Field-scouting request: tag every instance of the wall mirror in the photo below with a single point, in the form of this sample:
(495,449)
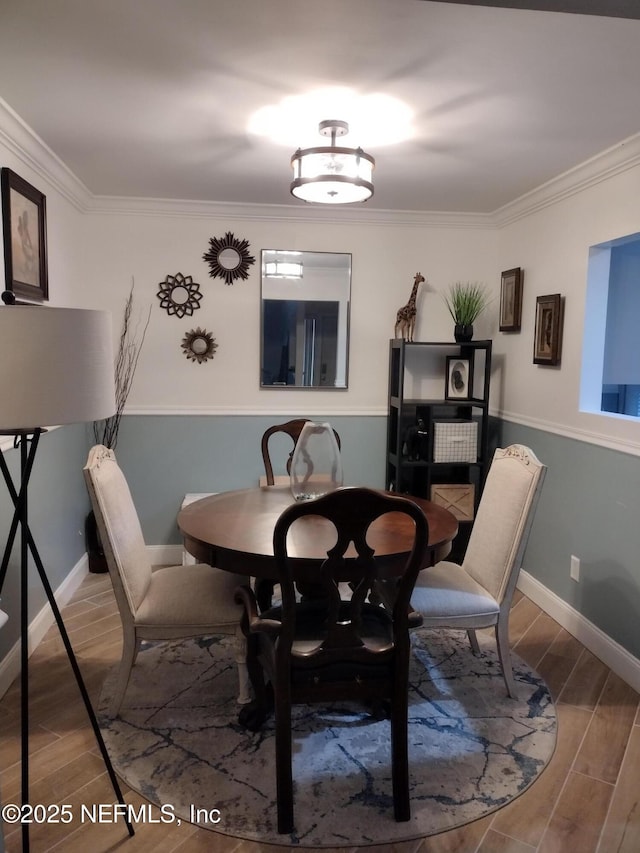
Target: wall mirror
(304,319)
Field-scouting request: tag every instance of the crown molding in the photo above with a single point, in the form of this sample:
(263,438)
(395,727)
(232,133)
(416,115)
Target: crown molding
(29,148)
(613,161)
(122,205)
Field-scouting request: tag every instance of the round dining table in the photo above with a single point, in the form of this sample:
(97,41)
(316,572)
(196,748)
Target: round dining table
(234,531)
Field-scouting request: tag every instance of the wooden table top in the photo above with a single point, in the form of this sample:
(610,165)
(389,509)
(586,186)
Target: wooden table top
(234,531)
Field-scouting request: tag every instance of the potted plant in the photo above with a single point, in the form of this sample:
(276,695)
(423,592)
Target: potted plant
(465,303)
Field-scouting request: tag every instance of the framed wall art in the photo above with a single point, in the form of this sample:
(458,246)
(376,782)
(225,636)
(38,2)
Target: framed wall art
(511,300)
(459,379)
(548,332)
(24,222)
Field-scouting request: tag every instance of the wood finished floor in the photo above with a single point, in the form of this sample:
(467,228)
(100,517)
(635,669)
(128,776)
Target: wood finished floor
(586,801)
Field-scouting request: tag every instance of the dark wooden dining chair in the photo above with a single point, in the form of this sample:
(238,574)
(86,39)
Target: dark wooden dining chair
(291,428)
(336,646)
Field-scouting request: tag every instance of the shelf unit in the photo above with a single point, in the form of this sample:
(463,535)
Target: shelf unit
(417,396)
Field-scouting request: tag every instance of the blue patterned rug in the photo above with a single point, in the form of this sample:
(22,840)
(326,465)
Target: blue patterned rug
(472,749)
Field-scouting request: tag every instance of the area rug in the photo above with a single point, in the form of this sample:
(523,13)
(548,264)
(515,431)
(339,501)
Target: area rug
(472,749)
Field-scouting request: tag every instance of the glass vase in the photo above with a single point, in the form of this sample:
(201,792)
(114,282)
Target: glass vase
(316,465)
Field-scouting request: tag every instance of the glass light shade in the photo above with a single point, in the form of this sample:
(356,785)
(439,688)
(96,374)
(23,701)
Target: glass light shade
(283,269)
(56,366)
(332,175)
(316,465)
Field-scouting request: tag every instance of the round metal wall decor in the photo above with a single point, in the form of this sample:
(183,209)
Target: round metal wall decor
(228,258)
(199,345)
(179,295)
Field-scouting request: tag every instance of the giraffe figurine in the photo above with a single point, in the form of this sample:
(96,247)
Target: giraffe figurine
(406,316)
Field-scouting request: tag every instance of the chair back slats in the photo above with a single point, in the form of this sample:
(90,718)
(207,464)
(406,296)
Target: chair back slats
(292,428)
(503,521)
(343,608)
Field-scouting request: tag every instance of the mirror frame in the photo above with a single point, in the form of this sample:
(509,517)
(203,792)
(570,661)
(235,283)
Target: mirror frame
(344,318)
(217,246)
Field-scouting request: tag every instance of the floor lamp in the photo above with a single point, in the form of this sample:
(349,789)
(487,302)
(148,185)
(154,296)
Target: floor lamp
(56,367)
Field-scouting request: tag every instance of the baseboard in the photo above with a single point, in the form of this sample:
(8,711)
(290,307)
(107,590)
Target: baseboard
(10,664)
(617,658)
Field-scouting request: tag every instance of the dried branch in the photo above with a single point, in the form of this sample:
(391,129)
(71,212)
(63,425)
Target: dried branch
(129,347)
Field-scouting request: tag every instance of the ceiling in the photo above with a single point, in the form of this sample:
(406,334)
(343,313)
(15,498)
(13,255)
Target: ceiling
(153,98)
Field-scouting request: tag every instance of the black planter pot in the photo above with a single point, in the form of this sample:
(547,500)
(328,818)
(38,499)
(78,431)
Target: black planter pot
(97,560)
(462,333)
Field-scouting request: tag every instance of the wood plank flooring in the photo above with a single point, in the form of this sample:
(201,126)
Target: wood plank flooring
(587,800)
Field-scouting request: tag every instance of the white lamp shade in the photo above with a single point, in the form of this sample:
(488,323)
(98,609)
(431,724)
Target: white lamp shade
(56,366)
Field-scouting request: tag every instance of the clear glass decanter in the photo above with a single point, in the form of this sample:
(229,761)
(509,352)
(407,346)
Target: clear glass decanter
(316,466)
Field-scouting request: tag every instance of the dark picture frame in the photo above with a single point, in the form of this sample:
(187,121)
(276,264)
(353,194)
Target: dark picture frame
(547,344)
(511,300)
(459,383)
(24,227)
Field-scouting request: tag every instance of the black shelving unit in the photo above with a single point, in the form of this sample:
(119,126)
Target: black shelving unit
(412,419)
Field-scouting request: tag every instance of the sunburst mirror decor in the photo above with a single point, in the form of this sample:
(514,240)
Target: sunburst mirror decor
(179,295)
(199,345)
(228,258)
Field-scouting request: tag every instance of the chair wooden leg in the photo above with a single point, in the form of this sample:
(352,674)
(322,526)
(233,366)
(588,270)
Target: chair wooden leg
(504,653)
(240,650)
(130,646)
(284,771)
(473,641)
(400,752)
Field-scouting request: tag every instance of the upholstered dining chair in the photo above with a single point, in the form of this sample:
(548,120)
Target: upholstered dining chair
(336,646)
(291,428)
(172,602)
(478,593)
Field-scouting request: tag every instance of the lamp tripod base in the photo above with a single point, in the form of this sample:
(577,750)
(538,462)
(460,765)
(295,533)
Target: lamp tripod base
(24,438)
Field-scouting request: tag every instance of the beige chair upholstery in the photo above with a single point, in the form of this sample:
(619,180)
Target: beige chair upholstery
(478,593)
(167,603)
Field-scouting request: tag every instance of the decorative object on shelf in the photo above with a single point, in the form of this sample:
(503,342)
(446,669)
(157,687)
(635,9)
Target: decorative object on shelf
(548,332)
(199,345)
(455,440)
(228,258)
(459,384)
(316,464)
(465,303)
(24,220)
(458,498)
(406,316)
(330,174)
(179,295)
(416,438)
(511,300)
(129,348)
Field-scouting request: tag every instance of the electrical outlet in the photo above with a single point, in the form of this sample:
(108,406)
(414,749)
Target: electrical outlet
(575,569)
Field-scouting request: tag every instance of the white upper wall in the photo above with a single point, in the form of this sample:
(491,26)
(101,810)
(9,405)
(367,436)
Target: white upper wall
(552,246)
(385,260)
(97,246)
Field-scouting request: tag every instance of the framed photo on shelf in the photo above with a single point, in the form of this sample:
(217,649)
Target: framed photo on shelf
(511,300)
(459,383)
(24,221)
(548,332)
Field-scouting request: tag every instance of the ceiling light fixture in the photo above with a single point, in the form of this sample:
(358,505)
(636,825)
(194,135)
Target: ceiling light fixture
(283,269)
(331,174)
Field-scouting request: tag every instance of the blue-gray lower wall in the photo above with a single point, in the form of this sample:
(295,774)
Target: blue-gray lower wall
(165,458)
(57,505)
(590,505)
